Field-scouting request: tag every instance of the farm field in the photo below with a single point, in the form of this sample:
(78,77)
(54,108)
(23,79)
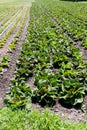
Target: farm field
(14,18)
(43,56)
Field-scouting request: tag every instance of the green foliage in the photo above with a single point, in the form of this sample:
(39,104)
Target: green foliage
(34,120)
(46,90)
(5,59)
(0,69)
(4,63)
(12,46)
(51,59)
(84,43)
(19,96)
(1,45)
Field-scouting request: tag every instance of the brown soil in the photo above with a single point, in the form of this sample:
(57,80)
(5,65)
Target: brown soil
(4,50)
(9,27)
(77,43)
(65,111)
(30,82)
(72,114)
(7,76)
(7,18)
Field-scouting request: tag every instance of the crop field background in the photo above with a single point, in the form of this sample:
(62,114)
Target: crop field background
(14,18)
(43,58)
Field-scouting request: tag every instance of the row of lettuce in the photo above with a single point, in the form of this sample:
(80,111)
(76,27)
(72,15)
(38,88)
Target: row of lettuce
(54,63)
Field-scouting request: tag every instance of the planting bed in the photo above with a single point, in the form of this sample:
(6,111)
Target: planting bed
(51,69)
(11,44)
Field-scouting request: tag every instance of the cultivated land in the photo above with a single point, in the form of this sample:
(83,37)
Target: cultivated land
(43,59)
(13,26)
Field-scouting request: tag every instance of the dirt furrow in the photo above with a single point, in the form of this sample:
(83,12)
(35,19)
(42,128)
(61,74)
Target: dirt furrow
(9,27)
(70,113)
(7,18)
(2,17)
(4,50)
(7,76)
(76,43)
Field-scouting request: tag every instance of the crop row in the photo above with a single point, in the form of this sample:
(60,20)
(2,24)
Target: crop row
(53,62)
(6,23)
(73,20)
(8,31)
(4,61)
(6,11)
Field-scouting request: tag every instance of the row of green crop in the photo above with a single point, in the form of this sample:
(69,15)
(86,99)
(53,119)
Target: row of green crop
(52,60)
(12,46)
(4,61)
(71,16)
(12,26)
(6,11)
(9,21)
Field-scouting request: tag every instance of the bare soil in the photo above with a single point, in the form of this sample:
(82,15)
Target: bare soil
(76,43)
(74,114)
(9,27)
(64,111)
(7,18)
(4,50)
(7,76)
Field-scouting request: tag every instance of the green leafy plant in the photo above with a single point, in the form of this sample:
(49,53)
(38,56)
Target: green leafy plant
(46,92)
(5,61)
(19,96)
(12,46)
(49,56)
